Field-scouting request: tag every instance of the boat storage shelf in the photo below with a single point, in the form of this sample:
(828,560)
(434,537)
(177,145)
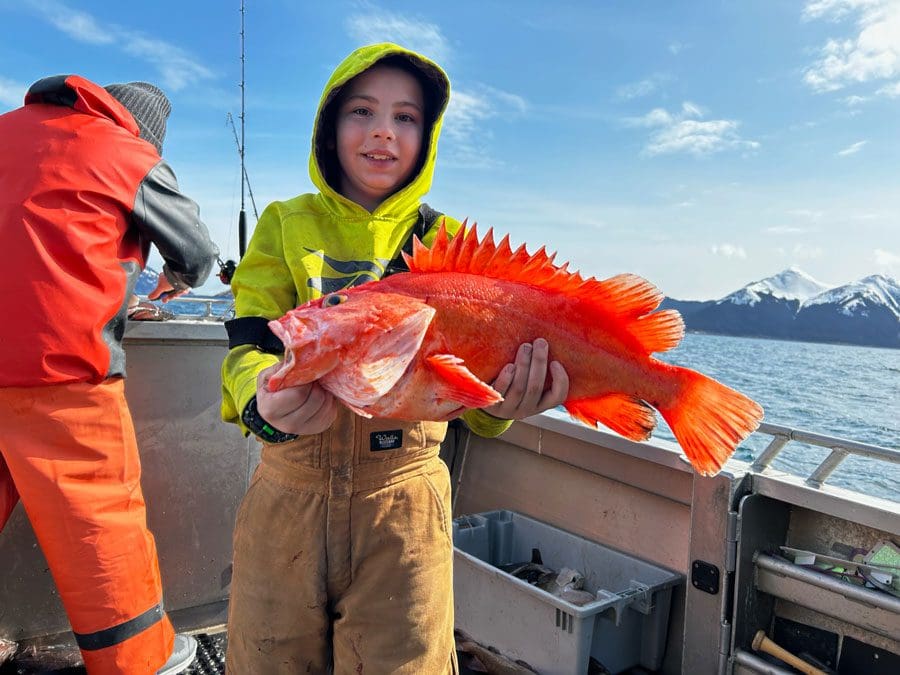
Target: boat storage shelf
(867,609)
(624,626)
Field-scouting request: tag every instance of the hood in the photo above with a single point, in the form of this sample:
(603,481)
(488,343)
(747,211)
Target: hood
(323,168)
(83,96)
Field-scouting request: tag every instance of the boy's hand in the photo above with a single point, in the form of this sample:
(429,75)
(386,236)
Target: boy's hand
(522,384)
(304,410)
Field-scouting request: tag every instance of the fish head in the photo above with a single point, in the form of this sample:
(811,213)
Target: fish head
(359,341)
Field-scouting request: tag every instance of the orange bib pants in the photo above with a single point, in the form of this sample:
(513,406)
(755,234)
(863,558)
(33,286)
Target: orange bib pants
(70,452)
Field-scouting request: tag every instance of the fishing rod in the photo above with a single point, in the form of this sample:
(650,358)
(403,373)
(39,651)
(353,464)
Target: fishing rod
(230,120)
(227,267)
(242,218)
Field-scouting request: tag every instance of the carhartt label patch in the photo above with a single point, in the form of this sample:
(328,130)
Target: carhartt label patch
(386,440)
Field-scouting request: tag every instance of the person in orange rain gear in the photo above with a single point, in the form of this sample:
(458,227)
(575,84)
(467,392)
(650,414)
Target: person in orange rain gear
(83,194)
(342,550)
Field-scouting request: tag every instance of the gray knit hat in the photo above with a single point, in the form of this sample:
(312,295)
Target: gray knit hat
(149,107)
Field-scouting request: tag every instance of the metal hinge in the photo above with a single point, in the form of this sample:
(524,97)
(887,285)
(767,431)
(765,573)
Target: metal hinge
(731,541)
(724,646)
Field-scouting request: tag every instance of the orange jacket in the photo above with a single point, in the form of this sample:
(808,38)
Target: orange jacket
(82,197)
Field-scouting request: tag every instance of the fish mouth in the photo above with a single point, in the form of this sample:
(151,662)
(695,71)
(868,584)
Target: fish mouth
(310,364)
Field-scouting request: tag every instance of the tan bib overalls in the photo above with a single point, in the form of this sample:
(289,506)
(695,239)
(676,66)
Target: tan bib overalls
(343,555)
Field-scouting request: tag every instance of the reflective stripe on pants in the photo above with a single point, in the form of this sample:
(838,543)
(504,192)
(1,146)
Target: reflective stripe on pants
(72,455)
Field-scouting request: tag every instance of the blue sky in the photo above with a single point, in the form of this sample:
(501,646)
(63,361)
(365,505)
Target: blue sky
(703,145)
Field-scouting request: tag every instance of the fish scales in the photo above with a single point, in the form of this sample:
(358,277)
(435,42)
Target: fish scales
(488,321)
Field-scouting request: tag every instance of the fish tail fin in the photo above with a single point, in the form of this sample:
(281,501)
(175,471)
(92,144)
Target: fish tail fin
(624,414)
(709,420)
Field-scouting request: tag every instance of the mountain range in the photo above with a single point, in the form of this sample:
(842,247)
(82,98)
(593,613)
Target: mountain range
(792,305)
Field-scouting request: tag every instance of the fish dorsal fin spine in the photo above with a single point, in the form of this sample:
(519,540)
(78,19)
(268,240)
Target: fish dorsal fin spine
(627,298)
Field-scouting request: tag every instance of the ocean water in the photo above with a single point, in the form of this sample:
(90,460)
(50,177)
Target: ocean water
(847,392)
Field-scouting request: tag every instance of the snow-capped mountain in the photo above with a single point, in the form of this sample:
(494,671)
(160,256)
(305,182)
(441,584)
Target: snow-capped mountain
(862,312)
(792,305)
(791,284)
(859,297)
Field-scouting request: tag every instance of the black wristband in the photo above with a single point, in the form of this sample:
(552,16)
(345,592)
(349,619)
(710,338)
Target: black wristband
(258,425)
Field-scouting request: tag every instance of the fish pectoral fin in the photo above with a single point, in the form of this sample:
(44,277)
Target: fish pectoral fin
(458,383)
(624,414)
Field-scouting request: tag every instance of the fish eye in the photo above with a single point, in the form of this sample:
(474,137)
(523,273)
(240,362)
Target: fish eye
(333,300)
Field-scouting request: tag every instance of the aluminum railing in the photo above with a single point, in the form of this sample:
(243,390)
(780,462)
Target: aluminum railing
(224,307)
(840,449)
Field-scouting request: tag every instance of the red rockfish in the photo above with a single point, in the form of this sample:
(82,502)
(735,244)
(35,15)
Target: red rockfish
(424,344)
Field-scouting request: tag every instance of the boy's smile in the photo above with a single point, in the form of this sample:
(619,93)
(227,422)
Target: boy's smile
(380,126)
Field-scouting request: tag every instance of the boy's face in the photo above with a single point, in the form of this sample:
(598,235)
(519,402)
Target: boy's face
(380,125)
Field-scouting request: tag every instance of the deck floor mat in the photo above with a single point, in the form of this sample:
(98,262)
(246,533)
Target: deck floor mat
(210,659)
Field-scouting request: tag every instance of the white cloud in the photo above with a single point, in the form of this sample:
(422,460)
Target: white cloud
(890,90)
(176,67)
(729,251)
(513,103)
(855,100)
(697,138)
(690,109)
(851,149)
(464,112)
(681,132)
(645,87)
(463,129)
(11,92)
(656,117)
(837,9)
(382,26)
(76,24)
(676,47)
(886,258)
(872,54)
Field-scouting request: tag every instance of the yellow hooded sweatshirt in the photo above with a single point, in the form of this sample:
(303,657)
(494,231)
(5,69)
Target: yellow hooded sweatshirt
(318,243)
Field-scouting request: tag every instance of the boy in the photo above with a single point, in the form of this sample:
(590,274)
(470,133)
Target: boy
(342,544)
